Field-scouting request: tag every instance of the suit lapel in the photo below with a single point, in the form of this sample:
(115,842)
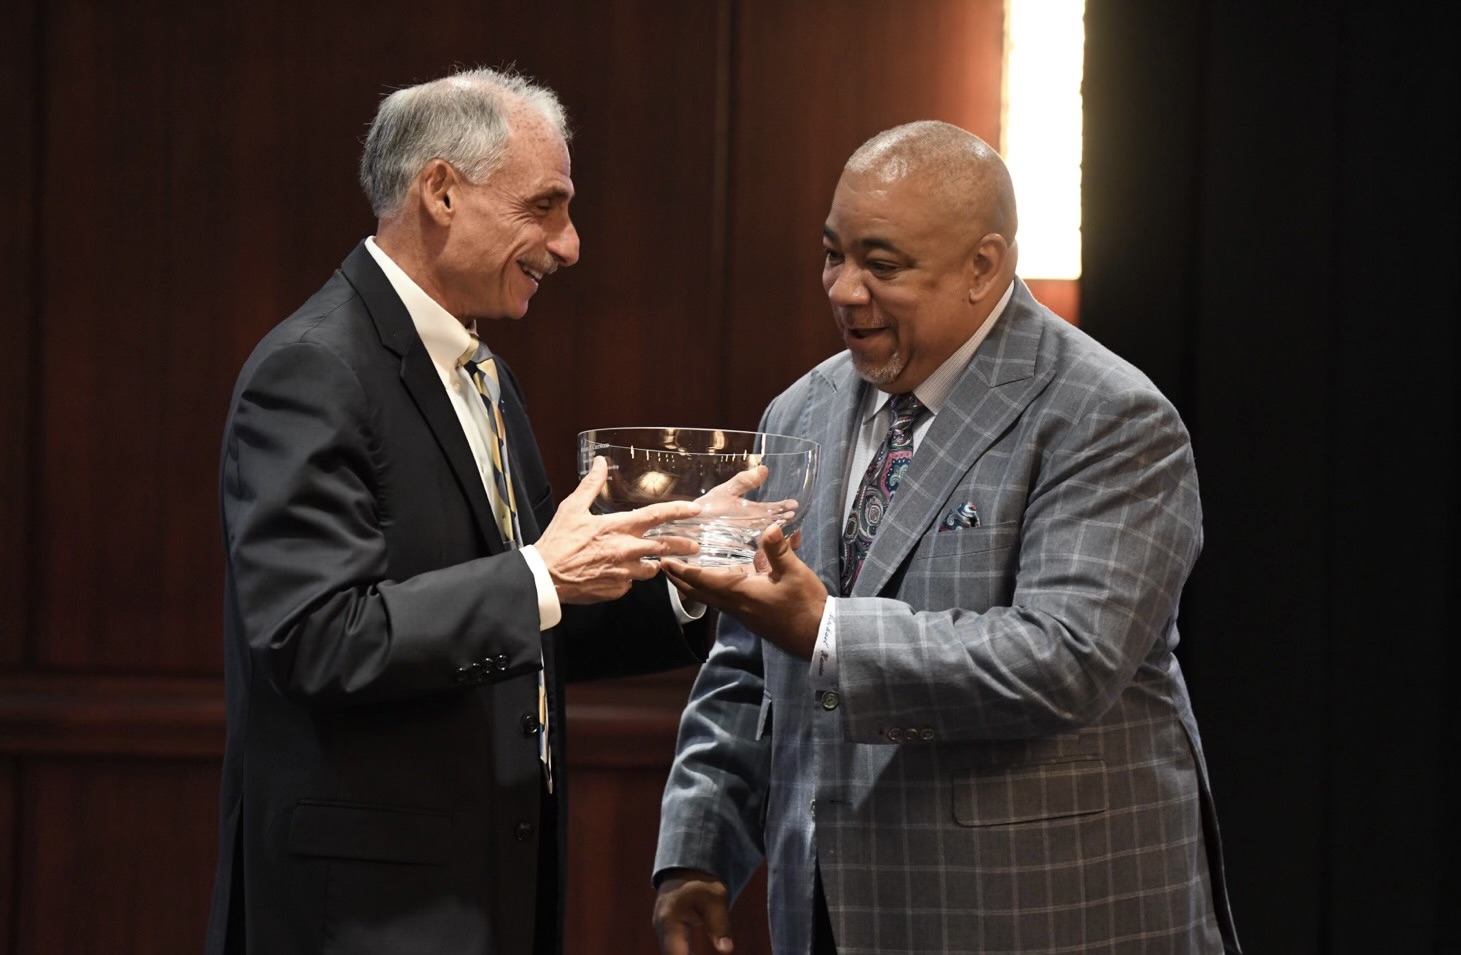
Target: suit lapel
(418,375)
(830,418)
(1001,380)
(529,482)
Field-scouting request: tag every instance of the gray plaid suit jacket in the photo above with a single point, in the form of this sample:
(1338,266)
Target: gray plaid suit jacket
(1010,762)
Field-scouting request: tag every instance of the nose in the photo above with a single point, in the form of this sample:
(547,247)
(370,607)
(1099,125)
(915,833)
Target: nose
(845,285)
(564,244)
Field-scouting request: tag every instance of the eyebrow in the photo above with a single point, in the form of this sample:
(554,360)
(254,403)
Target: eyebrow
(876,243)
(872,242)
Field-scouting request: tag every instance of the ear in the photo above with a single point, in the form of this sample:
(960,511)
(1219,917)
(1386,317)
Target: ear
(438,186)
(986,265)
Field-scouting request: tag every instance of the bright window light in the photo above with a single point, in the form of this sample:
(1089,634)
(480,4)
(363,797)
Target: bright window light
(1041,132)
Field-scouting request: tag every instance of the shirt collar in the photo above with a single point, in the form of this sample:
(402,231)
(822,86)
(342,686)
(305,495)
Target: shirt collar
(936,387)
(445,338)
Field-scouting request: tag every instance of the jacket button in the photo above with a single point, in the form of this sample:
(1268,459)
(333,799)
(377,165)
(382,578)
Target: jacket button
(523,831)
(895,734)
(530,724)
(925,734)
(502,661)
(829,700)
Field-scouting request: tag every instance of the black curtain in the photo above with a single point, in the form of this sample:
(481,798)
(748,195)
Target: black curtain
(1270,232)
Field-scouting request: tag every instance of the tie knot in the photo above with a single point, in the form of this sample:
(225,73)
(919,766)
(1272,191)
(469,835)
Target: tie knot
(905,408)
(467,359)
(484,367)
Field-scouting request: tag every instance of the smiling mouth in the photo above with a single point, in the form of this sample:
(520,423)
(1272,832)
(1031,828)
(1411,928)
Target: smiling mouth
(861,333)
(537,275)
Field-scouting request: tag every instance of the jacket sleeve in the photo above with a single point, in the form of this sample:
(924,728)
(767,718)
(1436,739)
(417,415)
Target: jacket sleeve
(305,538)
(710,817)
(1085,575)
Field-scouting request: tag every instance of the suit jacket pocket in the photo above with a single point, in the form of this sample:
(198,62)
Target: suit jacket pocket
(968,541)
(1030,793)
(340,830)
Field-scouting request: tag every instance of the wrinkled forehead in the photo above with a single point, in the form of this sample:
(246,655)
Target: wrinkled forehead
(890,188)
(535,149)
(527,129)
(915,213)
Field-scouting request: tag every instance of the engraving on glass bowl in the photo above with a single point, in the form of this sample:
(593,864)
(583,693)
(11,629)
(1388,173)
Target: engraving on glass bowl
(714,466)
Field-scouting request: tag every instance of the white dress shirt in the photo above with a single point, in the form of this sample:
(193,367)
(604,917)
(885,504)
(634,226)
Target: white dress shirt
(446,340)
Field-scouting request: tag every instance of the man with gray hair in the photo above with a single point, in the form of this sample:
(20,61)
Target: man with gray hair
(952,721)
(402,600)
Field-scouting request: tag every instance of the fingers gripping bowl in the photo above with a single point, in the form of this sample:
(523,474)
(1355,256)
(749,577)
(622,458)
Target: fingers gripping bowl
(722,470)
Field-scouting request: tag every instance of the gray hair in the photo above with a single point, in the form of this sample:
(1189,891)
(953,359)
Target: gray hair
(460,118)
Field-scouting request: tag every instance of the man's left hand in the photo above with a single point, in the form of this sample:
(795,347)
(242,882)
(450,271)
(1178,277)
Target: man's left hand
(783,603)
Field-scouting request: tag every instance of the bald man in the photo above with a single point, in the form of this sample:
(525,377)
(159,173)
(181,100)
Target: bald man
(951,720)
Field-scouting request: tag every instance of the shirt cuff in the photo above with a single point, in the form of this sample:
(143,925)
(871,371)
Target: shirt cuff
(824,651)
(550,611)
(686,611)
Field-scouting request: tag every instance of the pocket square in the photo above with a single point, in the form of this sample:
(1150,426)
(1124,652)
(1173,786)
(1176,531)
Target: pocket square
(965,515)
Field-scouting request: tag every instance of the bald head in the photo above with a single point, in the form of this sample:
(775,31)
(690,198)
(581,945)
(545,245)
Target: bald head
(920,250)
(954,166)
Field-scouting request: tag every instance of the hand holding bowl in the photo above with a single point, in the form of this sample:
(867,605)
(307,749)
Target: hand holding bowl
(745,481)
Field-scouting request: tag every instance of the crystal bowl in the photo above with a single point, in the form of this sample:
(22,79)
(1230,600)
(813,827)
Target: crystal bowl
(709,465)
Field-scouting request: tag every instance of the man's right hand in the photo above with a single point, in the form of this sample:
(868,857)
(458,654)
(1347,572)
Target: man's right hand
(691,900)
(595,557)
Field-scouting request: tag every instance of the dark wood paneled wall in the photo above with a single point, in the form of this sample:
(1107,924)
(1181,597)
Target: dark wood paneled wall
(18,159)
(180,176)
(812,81)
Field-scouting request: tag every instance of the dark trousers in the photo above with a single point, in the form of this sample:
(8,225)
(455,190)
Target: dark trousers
(548,918)
(822,941)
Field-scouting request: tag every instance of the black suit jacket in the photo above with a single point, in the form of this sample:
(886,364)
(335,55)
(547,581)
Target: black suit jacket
(381,786)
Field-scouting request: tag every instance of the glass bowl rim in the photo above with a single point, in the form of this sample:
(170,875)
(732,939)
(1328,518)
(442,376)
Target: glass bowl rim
(813,445)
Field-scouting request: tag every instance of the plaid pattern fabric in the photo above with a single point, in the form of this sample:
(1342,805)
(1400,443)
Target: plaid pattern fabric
(1010,763)
(482,369)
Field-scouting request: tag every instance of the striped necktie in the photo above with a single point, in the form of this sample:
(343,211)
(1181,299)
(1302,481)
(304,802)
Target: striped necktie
(483,373)
(875,493)
(504,503)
